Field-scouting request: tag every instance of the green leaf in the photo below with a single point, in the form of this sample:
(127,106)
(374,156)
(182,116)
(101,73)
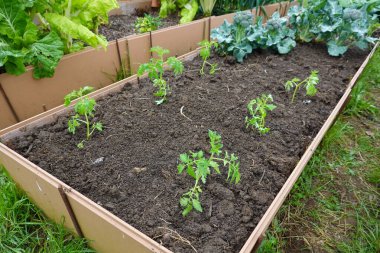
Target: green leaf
(85,106)
(98,126)
(190,171)
(180,168)
(92,13)
(74,30)
(184,158)
(176,65)
(184,201)
(13,19)
(197,205)
(336,50)
(215,166)
(45,55)
(187,210)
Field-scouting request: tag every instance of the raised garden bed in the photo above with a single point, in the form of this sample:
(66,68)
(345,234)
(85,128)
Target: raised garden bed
(130,168)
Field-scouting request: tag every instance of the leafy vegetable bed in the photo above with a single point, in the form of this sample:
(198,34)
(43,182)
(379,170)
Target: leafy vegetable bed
(123,25)
(130,168)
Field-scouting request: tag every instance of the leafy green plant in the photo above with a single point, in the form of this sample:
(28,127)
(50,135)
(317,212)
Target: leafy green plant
(278,35)
(205,53)
(199,167)
(64,26)
(243,36)
(147,23)
(235,38)
(84,112)
(340,25)
(188,9)
(207,7)
(155,69)
(259,113)
(309,83)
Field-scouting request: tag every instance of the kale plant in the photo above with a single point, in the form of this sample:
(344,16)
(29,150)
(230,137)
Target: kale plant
(339,26)
(156,68)
(309,84)
(84,112)
(205,53)
(259,113)
(235,38)
(199,167)
(147,23)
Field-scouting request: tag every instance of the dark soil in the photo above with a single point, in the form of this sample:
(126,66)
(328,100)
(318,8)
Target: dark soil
(130,168)
(121,26)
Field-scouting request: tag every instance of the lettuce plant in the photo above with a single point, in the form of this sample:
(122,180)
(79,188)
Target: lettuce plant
(339,26)
(259,113)
(23,42)
(309,84)
(155,70)
(205,53)
(84,112)
(199,167)
(188,9)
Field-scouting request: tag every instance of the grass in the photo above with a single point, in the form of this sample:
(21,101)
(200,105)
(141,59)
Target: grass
(334,205)
(23,227)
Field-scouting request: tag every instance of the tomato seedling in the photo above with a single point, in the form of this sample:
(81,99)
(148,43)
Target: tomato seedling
(259,113)
(156,68)
(205,53)
(309,84)
(199,167)
(84,112)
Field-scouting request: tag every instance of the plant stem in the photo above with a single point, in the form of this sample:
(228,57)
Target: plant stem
(296,89)
(88,126)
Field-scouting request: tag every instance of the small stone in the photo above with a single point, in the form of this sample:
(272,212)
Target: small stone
(98,161)
(139,170)
(110,206)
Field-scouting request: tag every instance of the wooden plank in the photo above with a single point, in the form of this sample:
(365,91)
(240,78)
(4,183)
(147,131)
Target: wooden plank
(285,190)
(139,50)
(7,117)
(187,37)
(106,232)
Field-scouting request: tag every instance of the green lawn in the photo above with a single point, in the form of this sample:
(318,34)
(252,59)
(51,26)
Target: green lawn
(334,206)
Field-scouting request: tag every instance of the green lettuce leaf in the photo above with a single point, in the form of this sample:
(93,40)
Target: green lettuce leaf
(74,30)
(45,55)
(92,13)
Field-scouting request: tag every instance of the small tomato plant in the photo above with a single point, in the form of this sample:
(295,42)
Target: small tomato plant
(84,111)
(155,69)
(205,53)
(259,113)
(309,84)
(147,23)
(198,166)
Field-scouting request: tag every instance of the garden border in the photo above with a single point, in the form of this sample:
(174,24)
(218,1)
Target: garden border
(24,97)
(106,232)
